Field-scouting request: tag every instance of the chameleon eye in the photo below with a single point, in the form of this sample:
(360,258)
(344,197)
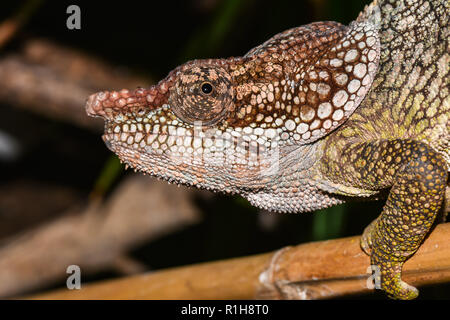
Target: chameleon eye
(207,88)
(202,93)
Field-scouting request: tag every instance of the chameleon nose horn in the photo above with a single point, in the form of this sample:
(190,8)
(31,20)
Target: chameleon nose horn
(94,104)
(106,104)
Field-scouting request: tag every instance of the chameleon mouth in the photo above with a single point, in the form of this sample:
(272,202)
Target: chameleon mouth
(140,136)
(176,140)
(158,138)
(140,120)
(159,128)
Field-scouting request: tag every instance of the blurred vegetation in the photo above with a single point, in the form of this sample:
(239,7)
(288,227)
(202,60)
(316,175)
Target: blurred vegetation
(152,39)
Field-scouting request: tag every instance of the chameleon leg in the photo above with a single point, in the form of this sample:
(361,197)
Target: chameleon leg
(417,176)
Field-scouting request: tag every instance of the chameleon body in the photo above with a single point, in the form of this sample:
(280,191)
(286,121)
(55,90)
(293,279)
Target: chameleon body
(316,116)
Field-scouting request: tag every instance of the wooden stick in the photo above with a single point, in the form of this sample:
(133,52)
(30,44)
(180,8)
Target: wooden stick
(308,271)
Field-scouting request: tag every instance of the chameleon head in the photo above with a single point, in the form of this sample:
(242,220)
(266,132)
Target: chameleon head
(177,130)
(229,124)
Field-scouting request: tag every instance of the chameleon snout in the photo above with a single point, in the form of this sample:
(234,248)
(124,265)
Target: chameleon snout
(94,106)
(112,104)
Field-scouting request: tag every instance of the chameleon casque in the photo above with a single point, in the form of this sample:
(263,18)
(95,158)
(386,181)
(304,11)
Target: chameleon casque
(316,116)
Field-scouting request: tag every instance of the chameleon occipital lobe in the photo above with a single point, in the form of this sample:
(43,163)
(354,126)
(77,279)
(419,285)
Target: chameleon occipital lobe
(315,116)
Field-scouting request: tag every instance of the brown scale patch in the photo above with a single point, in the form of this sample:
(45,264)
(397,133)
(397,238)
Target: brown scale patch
(307,113)
(312,97)
(325,69)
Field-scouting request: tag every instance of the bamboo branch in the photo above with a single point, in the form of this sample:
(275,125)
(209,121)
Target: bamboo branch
(308,271)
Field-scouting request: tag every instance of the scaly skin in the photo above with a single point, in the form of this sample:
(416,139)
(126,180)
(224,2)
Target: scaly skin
(316,116)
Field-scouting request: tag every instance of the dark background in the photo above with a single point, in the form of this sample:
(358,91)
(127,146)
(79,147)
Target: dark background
(151,38)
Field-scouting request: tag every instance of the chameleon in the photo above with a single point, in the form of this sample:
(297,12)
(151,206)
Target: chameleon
(316,116)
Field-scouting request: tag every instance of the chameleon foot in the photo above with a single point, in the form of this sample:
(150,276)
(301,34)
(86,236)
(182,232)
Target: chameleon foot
(388,272)
(388,277)
(417,178)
